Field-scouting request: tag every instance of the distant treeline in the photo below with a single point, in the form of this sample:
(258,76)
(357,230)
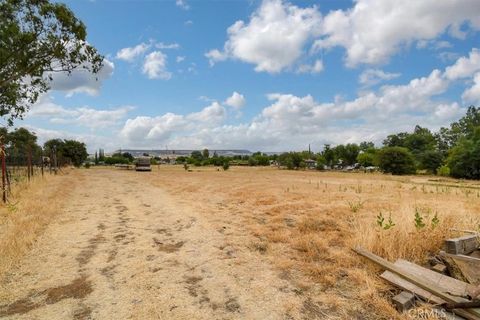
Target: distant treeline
(452,151)
(21,148)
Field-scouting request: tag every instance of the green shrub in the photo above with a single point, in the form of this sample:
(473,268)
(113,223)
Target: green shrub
(226,165)
(443,171)
(396,160)
(464,159)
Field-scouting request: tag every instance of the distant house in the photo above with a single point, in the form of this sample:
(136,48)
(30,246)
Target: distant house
(310,164)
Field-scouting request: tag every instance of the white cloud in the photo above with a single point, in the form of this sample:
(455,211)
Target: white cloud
(372,31)
(182,4)
(130,53)
(289,121)
(316,67)
(84,116)
(155,66)
(371,77)
(464,67)
(145,130)
(278,34)
(472,94)
(215,55)
(81,80)
(180,59)
(92,141)
(236,100)
(448,56)
(273,39)
(162,45)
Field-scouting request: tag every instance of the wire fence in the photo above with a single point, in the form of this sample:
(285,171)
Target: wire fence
(17,167)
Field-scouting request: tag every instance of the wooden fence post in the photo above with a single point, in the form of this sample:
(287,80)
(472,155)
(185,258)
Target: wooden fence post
(4,173)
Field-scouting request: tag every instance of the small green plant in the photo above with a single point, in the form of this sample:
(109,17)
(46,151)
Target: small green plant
(185,166)
(380,219)
(87,165)
(226,165)
(435,221)
(12,207)
(419,223)
(385,225)
(355,206)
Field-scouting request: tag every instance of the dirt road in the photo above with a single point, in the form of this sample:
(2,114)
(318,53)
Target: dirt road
(126,249)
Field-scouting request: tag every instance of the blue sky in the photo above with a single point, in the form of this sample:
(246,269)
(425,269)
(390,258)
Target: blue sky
(266,75)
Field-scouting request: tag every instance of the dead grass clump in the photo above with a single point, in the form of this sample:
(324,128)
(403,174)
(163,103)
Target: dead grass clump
(35,205)
(310,224)
(312,247)
(260,246)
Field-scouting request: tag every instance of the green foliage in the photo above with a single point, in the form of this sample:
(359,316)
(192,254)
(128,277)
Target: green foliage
(430,160)
(196,156)
(380,219)
(385,225)
(75,151)
(321,162)
(435,221)
(443,171)
(185,166)
(291,160)
(396,160)
(367,158)
(37,39)
(464,128)
(181,159)
(464,159)
(116,159)
(418,220)
(205,154)
(355,206)
(87,165)
(226,165)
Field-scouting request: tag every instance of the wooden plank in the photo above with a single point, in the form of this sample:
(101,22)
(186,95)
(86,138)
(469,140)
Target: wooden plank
(475,254)
(449,285)
(462,245)
(460,257)
(472,314)
(440,268)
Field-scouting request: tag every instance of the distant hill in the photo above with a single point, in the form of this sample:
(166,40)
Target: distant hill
(177,153)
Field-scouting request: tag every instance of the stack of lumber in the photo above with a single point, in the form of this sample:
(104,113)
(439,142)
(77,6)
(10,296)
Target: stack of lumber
(459,294)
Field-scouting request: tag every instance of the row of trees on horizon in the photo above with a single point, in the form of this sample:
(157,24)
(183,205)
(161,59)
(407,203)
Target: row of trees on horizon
(46,37)
(21,144)
(452,151)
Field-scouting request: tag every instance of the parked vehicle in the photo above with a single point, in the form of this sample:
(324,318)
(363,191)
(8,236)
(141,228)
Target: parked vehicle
(143,164)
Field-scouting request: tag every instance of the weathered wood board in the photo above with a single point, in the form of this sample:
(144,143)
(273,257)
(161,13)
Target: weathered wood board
(452,286)
(462,245)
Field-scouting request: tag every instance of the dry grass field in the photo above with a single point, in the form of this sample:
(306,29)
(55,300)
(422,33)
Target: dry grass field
(247,243)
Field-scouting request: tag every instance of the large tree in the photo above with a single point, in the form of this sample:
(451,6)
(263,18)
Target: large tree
(75,151)
(396,160)
(464,158)
(38,38)
(464,128)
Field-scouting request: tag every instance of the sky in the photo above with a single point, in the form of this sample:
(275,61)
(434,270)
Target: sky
(267,75)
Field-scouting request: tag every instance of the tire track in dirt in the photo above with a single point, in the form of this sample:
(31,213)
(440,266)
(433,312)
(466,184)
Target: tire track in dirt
(124,249)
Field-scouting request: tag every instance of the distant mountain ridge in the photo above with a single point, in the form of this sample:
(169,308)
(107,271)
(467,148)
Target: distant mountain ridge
(183,152)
